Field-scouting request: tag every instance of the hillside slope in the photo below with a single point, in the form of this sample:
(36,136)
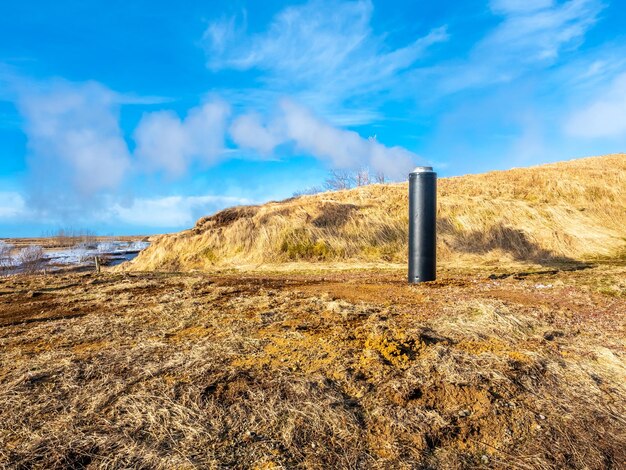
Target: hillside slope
(552,213)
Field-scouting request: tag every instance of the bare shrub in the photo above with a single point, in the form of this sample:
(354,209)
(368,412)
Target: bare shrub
(31,258)
(5,254)
(338,180)
(347,179)
(308,191)
(362,177)
(380,178)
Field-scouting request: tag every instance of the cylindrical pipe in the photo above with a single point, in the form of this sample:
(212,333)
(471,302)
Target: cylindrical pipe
(422,224)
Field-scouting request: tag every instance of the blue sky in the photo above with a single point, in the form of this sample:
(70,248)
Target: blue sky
(140,117)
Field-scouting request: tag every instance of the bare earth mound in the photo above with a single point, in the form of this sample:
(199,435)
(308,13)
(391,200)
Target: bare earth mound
(562,212)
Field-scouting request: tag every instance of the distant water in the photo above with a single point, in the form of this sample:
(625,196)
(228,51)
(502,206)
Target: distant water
(111,253)
(122,259)
(115,252)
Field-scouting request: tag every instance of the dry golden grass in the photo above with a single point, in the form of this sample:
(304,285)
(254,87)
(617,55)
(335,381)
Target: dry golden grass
(544,215)
(331,370)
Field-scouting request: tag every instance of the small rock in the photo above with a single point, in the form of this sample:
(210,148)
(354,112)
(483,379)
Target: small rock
(484,459)
(464,413)
(541,417)
(33,293)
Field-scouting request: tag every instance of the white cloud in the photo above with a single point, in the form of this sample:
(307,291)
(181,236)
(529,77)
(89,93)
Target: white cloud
(12,206)
(165,142)
(74,140)
(248,131)
(219,34)
(338,148)
(153,212)
(171,211)
(519,6)
(532,34)
(540,33)
(79,158)
(605,116)
(323,53)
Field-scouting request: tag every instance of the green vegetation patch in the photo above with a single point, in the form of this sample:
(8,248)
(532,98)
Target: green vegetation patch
(300,245)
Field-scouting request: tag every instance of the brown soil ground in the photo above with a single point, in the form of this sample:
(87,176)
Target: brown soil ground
(351,369)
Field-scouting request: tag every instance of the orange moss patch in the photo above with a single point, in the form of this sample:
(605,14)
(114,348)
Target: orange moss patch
(268,465)
(391,349)
(84,348)
(171,379)
(310,353)
(38,347)
(492,346)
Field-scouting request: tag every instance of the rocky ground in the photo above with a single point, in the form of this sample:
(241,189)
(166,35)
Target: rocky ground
(324,369)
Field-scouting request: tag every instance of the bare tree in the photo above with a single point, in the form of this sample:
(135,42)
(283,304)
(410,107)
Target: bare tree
(67,237)
(362,176)
(346,179)
(338,180)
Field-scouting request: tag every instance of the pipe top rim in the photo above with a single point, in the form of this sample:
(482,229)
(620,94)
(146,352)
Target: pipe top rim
(422,169)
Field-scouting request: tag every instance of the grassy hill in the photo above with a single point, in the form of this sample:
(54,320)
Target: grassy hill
(567,211)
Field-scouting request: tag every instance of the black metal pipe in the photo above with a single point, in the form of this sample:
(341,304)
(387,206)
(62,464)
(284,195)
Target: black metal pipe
(422,225)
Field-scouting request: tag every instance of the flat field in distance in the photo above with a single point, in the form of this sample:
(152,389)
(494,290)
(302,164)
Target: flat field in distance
(57,242)
(315,369)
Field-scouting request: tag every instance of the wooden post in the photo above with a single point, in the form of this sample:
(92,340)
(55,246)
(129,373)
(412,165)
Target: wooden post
(97,264)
